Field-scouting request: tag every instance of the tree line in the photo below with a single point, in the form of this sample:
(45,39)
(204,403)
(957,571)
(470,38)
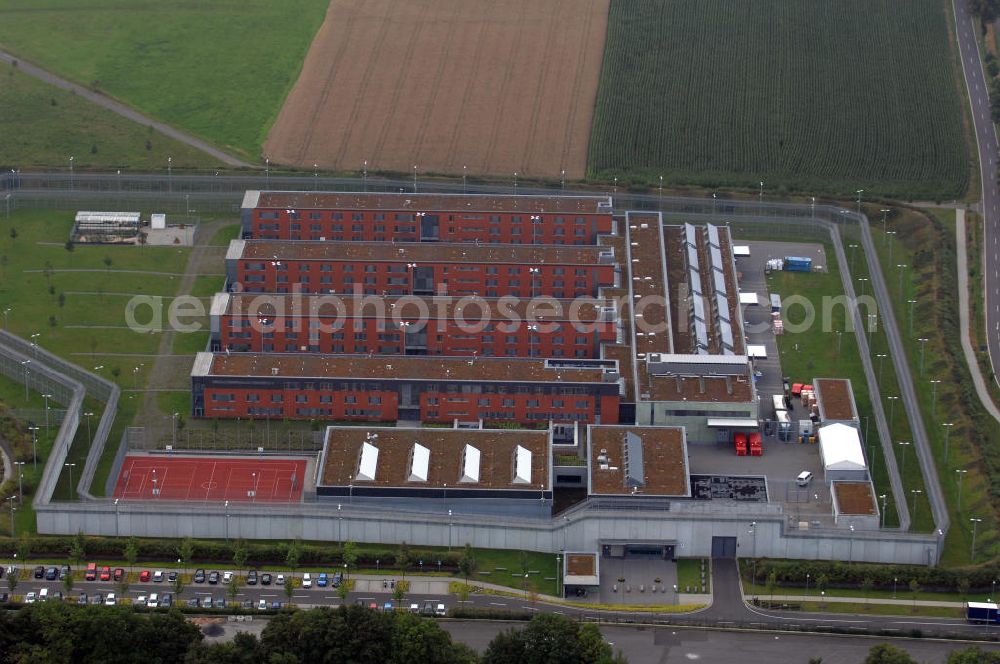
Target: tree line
(60,633)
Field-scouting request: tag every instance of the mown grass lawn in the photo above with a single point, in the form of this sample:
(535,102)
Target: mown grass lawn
(43,125)
(220,69)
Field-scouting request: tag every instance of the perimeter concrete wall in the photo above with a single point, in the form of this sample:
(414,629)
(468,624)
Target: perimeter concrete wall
(692,528)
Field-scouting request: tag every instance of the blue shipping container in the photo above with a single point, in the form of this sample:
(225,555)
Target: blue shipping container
(797,264)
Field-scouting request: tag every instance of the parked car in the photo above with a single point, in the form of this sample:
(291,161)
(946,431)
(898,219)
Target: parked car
(4,598)
(31,597)
(441,610)
(51,574)
(153,601)
(65,571)
(227,577)
(280,580)
(414,607)
(307,581)
(338,578)
(213,577)
(373,606)
(1,571)
(247,604)
(140,601)
(252,577)
(387,607)
(119,574)
(105,573)
(262,605)
(110,600)
(193,603)
(39,572)
(56,596)
(322,580)
(82,598)
(206,602)
(220,602)
(158,576)
(91,573)
(144,575)
(43,595)
(275,605)
(97,598)
(171,576)
(265,579)
(167,601)
(428,608)
(199,576)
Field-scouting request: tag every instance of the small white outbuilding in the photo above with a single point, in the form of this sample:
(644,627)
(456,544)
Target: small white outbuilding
(841,452)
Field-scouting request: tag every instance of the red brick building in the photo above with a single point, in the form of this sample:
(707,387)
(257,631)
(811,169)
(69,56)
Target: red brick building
(412,325)
(386,217)
(387,389)
(376,268)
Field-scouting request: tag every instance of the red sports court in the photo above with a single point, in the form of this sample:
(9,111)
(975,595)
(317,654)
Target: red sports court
(210,479)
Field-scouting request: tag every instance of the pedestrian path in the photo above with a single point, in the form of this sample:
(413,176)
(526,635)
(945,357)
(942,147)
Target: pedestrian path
(859,600)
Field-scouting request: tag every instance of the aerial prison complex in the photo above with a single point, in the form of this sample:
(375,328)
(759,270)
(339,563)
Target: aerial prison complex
(539,372)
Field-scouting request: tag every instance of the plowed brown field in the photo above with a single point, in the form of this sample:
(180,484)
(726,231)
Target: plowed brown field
(495,85)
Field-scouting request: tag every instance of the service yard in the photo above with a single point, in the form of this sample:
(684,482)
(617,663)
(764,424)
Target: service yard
(495,86)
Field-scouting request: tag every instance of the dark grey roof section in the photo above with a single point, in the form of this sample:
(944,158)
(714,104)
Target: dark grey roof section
(686,365)
(635,476)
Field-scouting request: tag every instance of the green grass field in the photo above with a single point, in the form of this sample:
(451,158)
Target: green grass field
(220,70)
(810,95)
(822,353)
(43,125)
(926,246)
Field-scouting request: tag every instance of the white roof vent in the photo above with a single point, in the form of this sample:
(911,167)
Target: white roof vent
(368,463)
(470,465)
(522,466)
(420,461)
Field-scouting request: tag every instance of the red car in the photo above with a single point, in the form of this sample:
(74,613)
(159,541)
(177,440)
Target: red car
(105,573)
(144,575)
(91,573)
(119,573)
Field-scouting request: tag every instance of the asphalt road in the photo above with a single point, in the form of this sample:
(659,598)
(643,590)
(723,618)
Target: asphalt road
(989,154)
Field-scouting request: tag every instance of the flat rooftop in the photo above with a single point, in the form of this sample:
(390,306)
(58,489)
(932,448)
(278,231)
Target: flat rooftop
(309,365)
(835,398)
(855,498)
(411,307)
(417,252)
(647,268)
(445,460)
(662,465)
(303,200)
(581,564)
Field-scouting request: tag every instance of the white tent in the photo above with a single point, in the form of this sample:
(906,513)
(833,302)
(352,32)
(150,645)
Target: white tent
(840,450)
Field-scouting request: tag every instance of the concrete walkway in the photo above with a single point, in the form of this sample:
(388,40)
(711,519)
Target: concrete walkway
(963,318)
(121,109)
(859,600)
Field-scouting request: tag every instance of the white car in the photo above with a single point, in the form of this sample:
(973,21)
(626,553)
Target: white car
(307,581)
(441,611)
(158,576)
(140,600)
(262,605)
(153,601)
(30,597)
(280,580)
(227,577)
(110,600)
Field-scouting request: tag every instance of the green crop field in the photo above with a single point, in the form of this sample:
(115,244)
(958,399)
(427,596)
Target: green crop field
(42,125)
(219,70)
(812,95)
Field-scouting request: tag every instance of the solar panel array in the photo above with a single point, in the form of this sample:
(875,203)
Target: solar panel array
(698,318)
(722,322)
(635,475)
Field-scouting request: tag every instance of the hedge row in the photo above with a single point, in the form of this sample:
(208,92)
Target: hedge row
(215,551)
(852,575)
